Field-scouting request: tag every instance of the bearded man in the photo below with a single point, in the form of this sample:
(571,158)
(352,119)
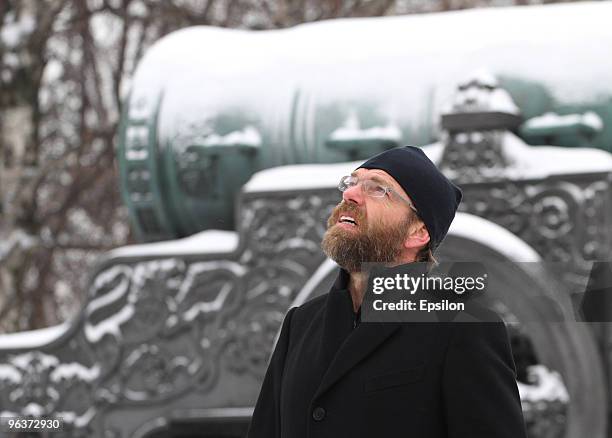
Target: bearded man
(333,376)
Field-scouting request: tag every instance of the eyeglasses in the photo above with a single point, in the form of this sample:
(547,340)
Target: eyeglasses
(371,188)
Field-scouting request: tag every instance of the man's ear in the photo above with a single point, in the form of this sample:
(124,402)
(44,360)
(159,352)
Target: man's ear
(418,238)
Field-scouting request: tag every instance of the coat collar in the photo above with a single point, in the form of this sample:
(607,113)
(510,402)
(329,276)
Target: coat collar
(342,347)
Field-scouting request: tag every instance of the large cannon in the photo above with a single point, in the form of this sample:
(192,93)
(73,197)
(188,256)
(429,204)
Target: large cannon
(209,107)
(175,335)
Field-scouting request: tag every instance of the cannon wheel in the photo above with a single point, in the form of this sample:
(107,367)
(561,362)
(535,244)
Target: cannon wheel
(566,347)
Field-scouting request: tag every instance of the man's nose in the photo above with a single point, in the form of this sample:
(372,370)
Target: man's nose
(354,194)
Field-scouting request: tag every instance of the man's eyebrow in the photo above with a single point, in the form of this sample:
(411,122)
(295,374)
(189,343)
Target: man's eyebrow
(380,180)
(376,178)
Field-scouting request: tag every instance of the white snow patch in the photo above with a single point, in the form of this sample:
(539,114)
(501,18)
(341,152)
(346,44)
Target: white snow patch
(351,131)
(53,71)
(198,269)
(546,386)
(106,28)
(249,136)
(501,101)
(552,120)
(23,361)
(138,9)
(11,60)
(317,277)
(74,369)
(433,152)
(210,241)
(194,274)
(12,34)
(34,410)
(78,421)
(388,132)
(143,271)
(482,76)
(211,306)
(474,98)
(116,293)
(18,240)
(111,325)
(543,161)
(492,235)
(33,338)
(8,372)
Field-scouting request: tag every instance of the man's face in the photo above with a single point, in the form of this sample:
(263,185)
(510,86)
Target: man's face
(364,229)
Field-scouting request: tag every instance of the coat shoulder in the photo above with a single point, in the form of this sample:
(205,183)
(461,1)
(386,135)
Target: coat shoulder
(312,306)
(307,311)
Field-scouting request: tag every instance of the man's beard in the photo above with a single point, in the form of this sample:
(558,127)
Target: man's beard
(369,243)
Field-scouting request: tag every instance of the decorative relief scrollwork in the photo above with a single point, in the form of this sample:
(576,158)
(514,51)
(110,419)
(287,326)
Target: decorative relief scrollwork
(151,373)
(283,253)
(286,222)
(555,211)
(554,216)
(565,218)
(562,216)
(160,328)
(474,156)
(503,203)
(248,349)
(38,384)
(597,211)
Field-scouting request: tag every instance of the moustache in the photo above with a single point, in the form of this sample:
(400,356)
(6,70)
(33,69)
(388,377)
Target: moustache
(345,208)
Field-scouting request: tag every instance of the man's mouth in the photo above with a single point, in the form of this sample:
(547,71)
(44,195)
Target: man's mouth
(349,220)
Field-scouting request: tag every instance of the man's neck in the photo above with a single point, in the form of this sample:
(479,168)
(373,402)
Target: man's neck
(358,282)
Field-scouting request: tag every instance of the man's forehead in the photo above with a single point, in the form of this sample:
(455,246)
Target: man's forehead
(375,174)
(381,176)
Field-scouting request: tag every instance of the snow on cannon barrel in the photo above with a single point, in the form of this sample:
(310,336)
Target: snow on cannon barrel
(209,107)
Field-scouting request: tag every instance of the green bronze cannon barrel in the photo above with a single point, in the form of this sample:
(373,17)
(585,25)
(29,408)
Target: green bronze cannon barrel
(209,107)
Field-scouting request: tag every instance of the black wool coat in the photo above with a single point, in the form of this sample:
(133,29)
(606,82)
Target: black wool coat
(329,379)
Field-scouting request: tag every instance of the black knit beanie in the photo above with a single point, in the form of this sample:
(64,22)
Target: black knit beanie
(434,196)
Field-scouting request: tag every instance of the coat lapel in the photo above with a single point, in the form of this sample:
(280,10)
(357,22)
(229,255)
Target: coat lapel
(337,324)
(359,344)
(342,347)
